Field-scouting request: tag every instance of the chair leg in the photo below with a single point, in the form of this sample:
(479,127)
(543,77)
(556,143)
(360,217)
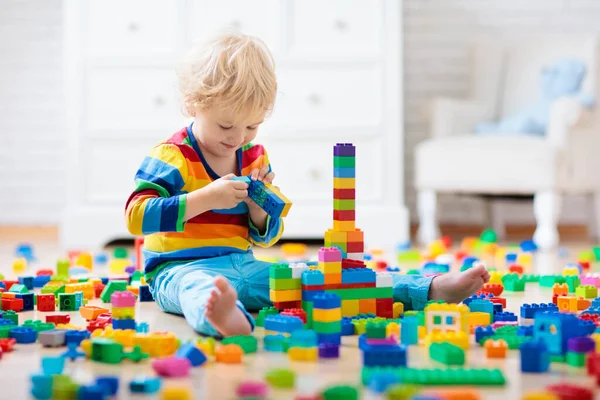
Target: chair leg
(595,223)
(546,208)
(427,210)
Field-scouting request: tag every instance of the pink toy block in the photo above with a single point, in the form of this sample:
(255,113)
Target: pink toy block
(590,279)
(172,367)
(498,324)
(122,299)
(252,389)
(327,254)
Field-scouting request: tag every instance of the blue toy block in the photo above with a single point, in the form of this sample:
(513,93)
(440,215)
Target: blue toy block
(28,300)
(23,335)
(341,172)
(126,323)
(482,306)
(510,258)
(144,384)
(26,281)
(409,331)
(104,280)
(555,329)
(482,296)
(312,277)
(381,381)
(72,353)
(326,301)
(528,246)
(347,327)
(40,281)
(483,332)
(2,285)
(283,323)
(392,268)
(384,356)
(75,336)
(504,316)
(4,322)
(276,343)
(192,353)
(246,179)
(358,275)
(534,357)
(529,310)
(309,295)
(587,327)
(333,338)
(467,263)
(434,268)
(305,338)
(145,294)
(498,308)
(41,386)
(93,392)
(525,331)
(142,327)
(53,365)
(110,384)
(100,258)
(594,308)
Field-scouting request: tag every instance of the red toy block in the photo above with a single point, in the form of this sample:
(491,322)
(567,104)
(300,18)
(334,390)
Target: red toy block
(380,265)
(44,272)
(516,269)
(344,194)
(494,288)
(98,288)
(555,298)
(355,247)
(295,312)
(105,317)
(93,325)
(593,364)
(585,265)
(282,305)
(12,304)
(498,300)
(46,302)
(348,263)
(344,215)
(58,318)
(7,344)
(334,286)
(460,255)
(384,308)
(447,240)
(9,284)
(138,243)
(568,391)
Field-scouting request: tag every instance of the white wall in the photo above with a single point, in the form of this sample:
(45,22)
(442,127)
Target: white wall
(436,36)
(32,136)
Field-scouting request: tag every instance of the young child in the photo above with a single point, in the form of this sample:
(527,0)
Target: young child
(200,225)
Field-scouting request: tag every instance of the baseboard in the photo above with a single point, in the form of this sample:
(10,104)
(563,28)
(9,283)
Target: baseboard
(28,233)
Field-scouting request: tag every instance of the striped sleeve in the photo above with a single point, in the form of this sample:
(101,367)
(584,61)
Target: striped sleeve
(156,204)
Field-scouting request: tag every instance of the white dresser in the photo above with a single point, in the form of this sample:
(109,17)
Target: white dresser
(340,80)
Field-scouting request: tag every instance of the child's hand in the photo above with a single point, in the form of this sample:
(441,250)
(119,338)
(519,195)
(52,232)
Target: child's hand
(226,193)
(262,175)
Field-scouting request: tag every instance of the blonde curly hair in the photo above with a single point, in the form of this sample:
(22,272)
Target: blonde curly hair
(233,70)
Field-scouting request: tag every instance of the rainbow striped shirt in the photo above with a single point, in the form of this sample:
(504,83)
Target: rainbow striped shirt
(157,206)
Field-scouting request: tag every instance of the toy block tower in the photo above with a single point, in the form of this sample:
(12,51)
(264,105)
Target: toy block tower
(327,318)
(285,286)
(330,264)
(344,233)
(123,310)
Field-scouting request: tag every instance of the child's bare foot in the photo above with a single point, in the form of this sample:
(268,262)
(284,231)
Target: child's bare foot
(454,288)
(223,312)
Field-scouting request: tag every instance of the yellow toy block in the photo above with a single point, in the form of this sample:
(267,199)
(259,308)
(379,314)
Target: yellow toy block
(500,257)
(436,248)
(207,345)
(350,308)
(496,277)
(87,289)
(84,260)
(422,332)
(157,344)
(277,192)
(117,266)
(446,318)
(460,339)
(69,327)
(393,328)
(367,306)
(94,281)
(596,337)
(397,310)
(86,347)
(539,395)
(303,353)
(176,393)
(123,312)
(330,267)
(332,315)
(479,319)
(19,265)
(344,225)
(569,271)
(567,303)
(332,236)
(277,296)
(344,183)
(524,259)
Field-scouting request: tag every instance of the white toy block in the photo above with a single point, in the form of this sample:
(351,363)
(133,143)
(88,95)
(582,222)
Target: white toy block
(383,280)
(444,259)
(298,269)
(356,256)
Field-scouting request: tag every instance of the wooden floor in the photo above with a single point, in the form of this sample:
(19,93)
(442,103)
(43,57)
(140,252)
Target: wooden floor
(218,381)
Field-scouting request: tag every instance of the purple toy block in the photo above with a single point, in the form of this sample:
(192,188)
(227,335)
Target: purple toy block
(124,299)
(584,344)
(252,389)
(383,342)
(329,350)
(344,150)
(329,254)
(172,367)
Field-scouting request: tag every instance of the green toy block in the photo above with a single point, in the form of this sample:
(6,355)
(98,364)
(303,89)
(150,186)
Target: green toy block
(376,330)
(363,293)
(513,342)
(38,325)
(136,276)
(509,277)
(340,392)
(327,327)
(411,313)
(531,278)
(587,292)
(5,331)
(435,377)
(409,256)
(62,267)
(307,306)
(515,285)
(63,388)
(413,272)
(488,236)
(67,302)
(575,359)
(18,288)
(110,288)
(285,284)
(557,358)
(342,246)
(53,289)
(344,205)
(587,255)
(248,343)
(572,282)
(120,252)
(280,271)
(136,354)
(281,378)
(344,162)
(596,251)
(401,391)
(507,330)
(550,280)
(447,353)
(1,277)
(262,314)
(11,315)
(106,350)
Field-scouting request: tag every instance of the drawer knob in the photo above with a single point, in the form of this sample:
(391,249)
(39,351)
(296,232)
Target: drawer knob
(314,174)
(340,25)
(314,99)
(133,27)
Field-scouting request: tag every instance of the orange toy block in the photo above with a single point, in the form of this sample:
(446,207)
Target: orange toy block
(367,306)
(229,354)
(561,289)
(90,313)
(495,348)
(583,304)
(134,290)
(333,278)
(457,394)
(356,236)
(567,303)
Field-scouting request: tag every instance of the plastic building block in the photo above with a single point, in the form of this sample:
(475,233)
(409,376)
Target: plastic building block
(41,386)
(127,323)
(575,359)
(530,310)
(106,351)
(347,327)
(74,336)
(12,316)
(447,354)
(360,275)
(460,339)
(298,312)
(145,294)
(494,288)
(7,344)
(23,335)
(46,302)
(263,313)
(312,278)
(582,344)
(18,288)
(505,316)
(52,338)
(567,303)
(283,324)
(479,305)
(409,332)
(172,367)
(176,393)
(539,395)
(66,302)
(112,287)
(53,365)
(303,339)
(495,348)
(28,300)
(276,343)
(329,350)
(194,355)
(122,299)
(247,343)
(90,313)
(380,382)
(555,329)
(340,392)
(229,354)
(455,376)
(303,353)
(281,378)
(568,391)
(92,392)
(534,357)
(252,389)
(384,355)
(525,331)
(12,304)
(285,284)
(588,292)
(123,312)
(72,352)
(144,384)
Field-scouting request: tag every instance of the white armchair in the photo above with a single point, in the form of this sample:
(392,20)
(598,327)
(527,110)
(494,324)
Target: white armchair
(505,77)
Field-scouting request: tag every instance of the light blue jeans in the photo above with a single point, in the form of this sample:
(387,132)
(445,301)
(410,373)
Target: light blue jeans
(184,288)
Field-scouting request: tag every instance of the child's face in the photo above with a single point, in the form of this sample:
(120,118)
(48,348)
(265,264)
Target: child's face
(222,132)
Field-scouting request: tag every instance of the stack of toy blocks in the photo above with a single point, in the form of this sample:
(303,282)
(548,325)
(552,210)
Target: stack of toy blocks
(327,318)
(123,310)
(303,346)
(285,286)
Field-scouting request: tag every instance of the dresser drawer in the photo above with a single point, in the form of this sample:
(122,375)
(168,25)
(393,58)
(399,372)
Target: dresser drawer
(132,27)
(132,98)
(327,97)
(304,168)
(335,28)
(257,17)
